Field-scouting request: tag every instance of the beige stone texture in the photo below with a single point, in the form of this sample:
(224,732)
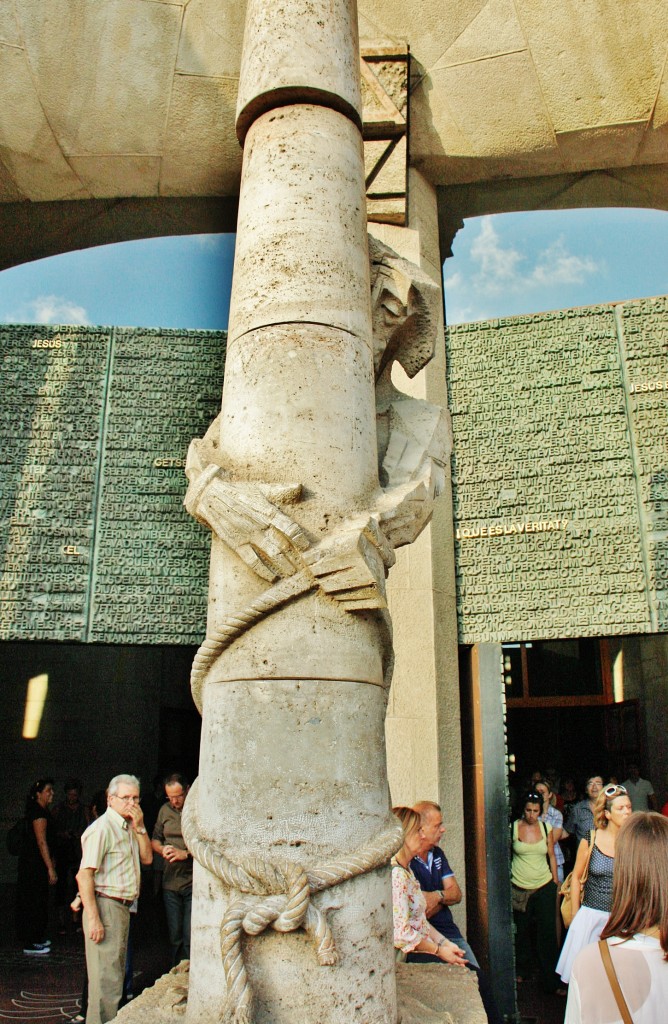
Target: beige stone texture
(494,84)
(201,154)
(99,174)
(298,47)
(88,87)
(596,63)
(211,46)
(422,726)
(335,283)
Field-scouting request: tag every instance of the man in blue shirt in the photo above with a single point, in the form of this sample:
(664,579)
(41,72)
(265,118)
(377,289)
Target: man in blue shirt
(437,879)
(441,891)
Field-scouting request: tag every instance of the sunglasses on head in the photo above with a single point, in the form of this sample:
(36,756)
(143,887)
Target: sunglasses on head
(613,790)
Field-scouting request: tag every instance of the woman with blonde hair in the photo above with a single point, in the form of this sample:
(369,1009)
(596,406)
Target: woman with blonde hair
(412,931)
(636,934)
(591,905)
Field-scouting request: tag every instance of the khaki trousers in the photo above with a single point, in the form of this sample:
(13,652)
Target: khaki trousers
(105,961)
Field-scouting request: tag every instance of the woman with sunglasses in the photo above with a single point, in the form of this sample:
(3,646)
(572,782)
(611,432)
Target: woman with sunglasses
(591,907)
(636,934)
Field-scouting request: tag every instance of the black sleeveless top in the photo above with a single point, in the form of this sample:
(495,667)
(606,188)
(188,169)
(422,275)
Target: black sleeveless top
(598,887)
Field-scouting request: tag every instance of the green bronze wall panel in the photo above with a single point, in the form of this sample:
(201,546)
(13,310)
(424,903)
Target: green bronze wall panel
(52,386)
(152,559)
(643,327)
(96,424)
(557,473)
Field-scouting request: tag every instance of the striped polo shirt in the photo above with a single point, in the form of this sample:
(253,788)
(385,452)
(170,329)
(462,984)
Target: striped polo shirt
(110,848)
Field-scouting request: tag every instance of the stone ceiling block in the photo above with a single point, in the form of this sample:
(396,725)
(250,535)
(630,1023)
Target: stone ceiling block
(202,155)
(114,98)
(596,68)
(601,146)
(8,190)
(211,44)
(494,31)
(9,30)
(107,176)
(435,25)
(30,152)
(655,142)
(485,95)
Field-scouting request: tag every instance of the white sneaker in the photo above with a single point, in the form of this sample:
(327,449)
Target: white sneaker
(36,950)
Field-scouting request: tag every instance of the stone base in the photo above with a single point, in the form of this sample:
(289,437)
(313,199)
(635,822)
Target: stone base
(427,994)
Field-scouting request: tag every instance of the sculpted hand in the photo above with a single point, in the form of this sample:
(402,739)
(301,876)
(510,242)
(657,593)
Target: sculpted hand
(247,517)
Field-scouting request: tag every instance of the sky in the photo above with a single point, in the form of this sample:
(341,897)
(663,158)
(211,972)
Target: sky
(502,266)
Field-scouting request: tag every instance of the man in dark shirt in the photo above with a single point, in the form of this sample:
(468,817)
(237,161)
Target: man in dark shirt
(177,884)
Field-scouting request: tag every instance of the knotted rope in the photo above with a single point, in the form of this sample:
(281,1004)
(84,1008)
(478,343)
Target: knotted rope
(277,895)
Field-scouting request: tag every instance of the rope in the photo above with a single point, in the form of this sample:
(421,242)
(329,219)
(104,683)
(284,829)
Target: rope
(271,599)
(278,895)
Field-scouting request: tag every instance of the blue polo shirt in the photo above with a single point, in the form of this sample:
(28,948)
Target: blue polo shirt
(430,876)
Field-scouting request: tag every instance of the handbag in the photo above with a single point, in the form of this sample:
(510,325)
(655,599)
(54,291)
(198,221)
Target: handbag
(614,982)
(565,890)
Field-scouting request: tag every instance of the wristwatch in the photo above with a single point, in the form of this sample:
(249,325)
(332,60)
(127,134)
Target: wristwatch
(140,831)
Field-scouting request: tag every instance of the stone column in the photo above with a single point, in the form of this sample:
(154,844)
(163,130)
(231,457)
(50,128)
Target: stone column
(292,680)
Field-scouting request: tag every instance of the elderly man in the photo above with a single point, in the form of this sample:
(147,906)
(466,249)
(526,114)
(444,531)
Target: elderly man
(441,891)
(177,881)
(113,848)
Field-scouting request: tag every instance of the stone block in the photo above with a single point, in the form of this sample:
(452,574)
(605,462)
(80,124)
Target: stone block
(105,100)
(601,145)
(495,30)
(596,66)
(210,45)
(109,176)
(201,121)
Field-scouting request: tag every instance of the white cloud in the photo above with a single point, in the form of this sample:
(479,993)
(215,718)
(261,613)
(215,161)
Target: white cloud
(501,269)
(49,309)
(498,266)
(555,265)
(206,242)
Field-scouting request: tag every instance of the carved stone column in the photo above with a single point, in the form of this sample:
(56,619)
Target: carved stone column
(289,821)
(292,767)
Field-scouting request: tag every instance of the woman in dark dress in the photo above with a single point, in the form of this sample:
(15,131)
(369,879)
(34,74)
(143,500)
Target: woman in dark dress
(36,872)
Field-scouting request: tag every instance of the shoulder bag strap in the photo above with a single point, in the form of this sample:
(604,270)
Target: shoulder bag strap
(585,873)
(614,983)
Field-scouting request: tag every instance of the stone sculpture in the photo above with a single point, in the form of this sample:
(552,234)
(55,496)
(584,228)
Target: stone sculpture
(292,679)
(259,523)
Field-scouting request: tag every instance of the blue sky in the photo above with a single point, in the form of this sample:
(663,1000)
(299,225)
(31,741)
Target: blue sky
(503,265)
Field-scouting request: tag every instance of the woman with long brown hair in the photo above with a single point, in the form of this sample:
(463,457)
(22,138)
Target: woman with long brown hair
(636,934)
(591,903)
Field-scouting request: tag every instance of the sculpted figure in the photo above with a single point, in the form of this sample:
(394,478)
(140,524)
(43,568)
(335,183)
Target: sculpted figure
(259,521)
(414,443)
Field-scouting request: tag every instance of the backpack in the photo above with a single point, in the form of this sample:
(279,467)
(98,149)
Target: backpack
(15,837)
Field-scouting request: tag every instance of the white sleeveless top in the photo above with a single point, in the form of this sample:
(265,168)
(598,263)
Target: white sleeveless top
(643,978)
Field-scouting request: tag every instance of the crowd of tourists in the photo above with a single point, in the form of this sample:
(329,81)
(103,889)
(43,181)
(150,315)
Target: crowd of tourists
(599,840)
(607,855)
(92,855)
